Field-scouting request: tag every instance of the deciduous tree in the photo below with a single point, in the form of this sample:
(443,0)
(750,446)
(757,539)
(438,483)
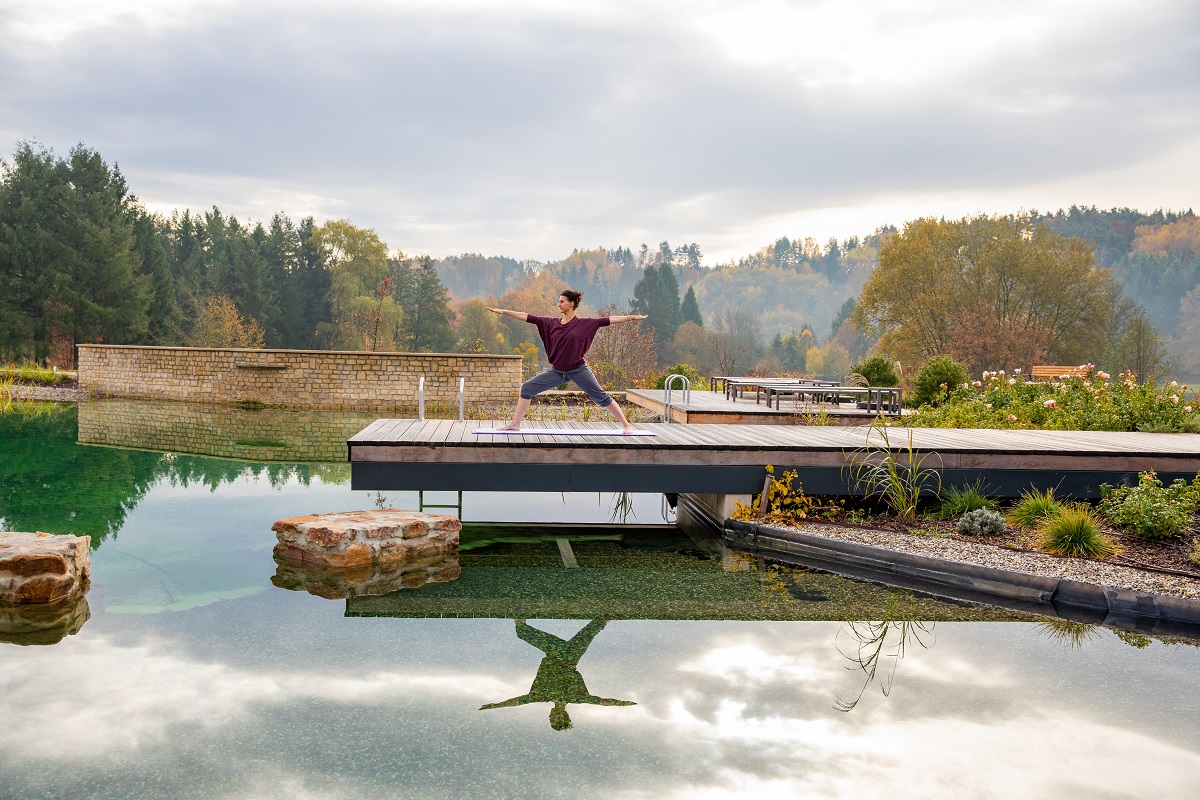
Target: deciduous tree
(220,324)
(1028,280)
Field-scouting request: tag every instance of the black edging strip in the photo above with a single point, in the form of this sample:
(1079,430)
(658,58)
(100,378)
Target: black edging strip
(1070,599)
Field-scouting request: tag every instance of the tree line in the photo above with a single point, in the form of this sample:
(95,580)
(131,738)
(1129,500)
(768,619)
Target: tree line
(82,260)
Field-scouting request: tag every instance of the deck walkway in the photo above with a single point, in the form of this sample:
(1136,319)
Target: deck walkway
(393,454)
(713,408)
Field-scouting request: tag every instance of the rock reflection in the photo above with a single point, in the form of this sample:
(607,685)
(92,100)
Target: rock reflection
(43,623)
(881,642)
(558,680)
(339,583)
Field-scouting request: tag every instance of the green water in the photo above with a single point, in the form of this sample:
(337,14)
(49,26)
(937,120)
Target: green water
(658,666)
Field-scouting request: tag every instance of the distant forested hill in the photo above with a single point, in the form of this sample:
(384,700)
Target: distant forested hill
(82,260)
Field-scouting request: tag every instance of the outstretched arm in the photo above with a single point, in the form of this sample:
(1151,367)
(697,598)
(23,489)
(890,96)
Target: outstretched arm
(521,315)
(515,701)
(619,318)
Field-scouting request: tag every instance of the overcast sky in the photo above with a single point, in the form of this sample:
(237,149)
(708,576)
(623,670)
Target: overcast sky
(529,128)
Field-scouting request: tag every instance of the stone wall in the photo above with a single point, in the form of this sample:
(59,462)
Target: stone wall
(304,378)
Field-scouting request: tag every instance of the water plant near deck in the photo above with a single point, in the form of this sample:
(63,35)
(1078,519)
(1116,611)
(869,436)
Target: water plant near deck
(898,476)
(1089,400)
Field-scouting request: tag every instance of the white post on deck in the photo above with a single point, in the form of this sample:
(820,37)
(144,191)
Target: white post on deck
(462,384)
(421,398)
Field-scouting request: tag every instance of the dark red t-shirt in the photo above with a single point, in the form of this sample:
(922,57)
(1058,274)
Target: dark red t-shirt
(567,344)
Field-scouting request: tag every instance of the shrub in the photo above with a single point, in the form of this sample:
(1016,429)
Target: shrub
(957,501)
(1034,507)
(936,378)
(787,503)
(686,370)
(981,522)
(1074,532)
(1151,510)
(877,370)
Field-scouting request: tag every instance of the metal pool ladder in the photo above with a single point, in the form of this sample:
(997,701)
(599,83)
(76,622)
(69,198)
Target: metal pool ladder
(668,386)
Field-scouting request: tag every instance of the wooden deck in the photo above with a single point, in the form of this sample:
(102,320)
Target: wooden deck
(712,408)
(393,454)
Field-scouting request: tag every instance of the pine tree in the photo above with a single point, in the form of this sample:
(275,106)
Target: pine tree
(425,304)
(70,269)
(689,309)
(164,315)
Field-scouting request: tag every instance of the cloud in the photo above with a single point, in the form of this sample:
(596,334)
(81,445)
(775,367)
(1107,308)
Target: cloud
(112,698)
(532,128)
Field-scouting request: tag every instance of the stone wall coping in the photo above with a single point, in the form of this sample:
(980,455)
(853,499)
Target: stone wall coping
(406,354)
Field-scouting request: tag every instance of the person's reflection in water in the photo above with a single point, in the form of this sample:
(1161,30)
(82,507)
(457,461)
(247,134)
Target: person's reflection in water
(558,680)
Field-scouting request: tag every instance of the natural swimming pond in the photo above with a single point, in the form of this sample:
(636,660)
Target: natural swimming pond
(657,666)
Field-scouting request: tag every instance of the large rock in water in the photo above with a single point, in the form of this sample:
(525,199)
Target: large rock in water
(43,567)
(355,538)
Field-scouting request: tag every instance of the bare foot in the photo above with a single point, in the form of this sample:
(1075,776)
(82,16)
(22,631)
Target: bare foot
(512,426)
(628,430)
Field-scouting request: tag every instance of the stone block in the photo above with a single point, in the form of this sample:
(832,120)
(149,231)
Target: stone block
(359,538)
(43,567)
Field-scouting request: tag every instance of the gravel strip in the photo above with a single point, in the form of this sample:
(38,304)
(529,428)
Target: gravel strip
(1079,569)
(57,394)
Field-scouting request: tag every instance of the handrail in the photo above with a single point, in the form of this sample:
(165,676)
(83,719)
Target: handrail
(421,398)
(668,385)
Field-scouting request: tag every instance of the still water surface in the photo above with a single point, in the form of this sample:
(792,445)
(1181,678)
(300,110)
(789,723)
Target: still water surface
(659,667)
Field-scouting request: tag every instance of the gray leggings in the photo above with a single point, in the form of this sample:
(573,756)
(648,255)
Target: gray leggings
(580,376)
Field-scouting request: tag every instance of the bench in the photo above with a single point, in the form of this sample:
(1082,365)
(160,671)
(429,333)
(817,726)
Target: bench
(1053,372)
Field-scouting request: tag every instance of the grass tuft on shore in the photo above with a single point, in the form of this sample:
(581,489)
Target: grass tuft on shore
(1074,532)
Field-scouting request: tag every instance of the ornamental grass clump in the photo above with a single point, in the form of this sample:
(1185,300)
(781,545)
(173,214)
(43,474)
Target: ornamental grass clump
(1074,532)
(981,522)
(1034,507)
(1151,510)
(957,501)
(898,477)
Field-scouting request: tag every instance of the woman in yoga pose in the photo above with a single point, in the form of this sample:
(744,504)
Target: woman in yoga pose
(567,338)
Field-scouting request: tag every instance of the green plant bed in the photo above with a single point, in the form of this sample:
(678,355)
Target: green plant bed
(33,374)
(1092,401)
